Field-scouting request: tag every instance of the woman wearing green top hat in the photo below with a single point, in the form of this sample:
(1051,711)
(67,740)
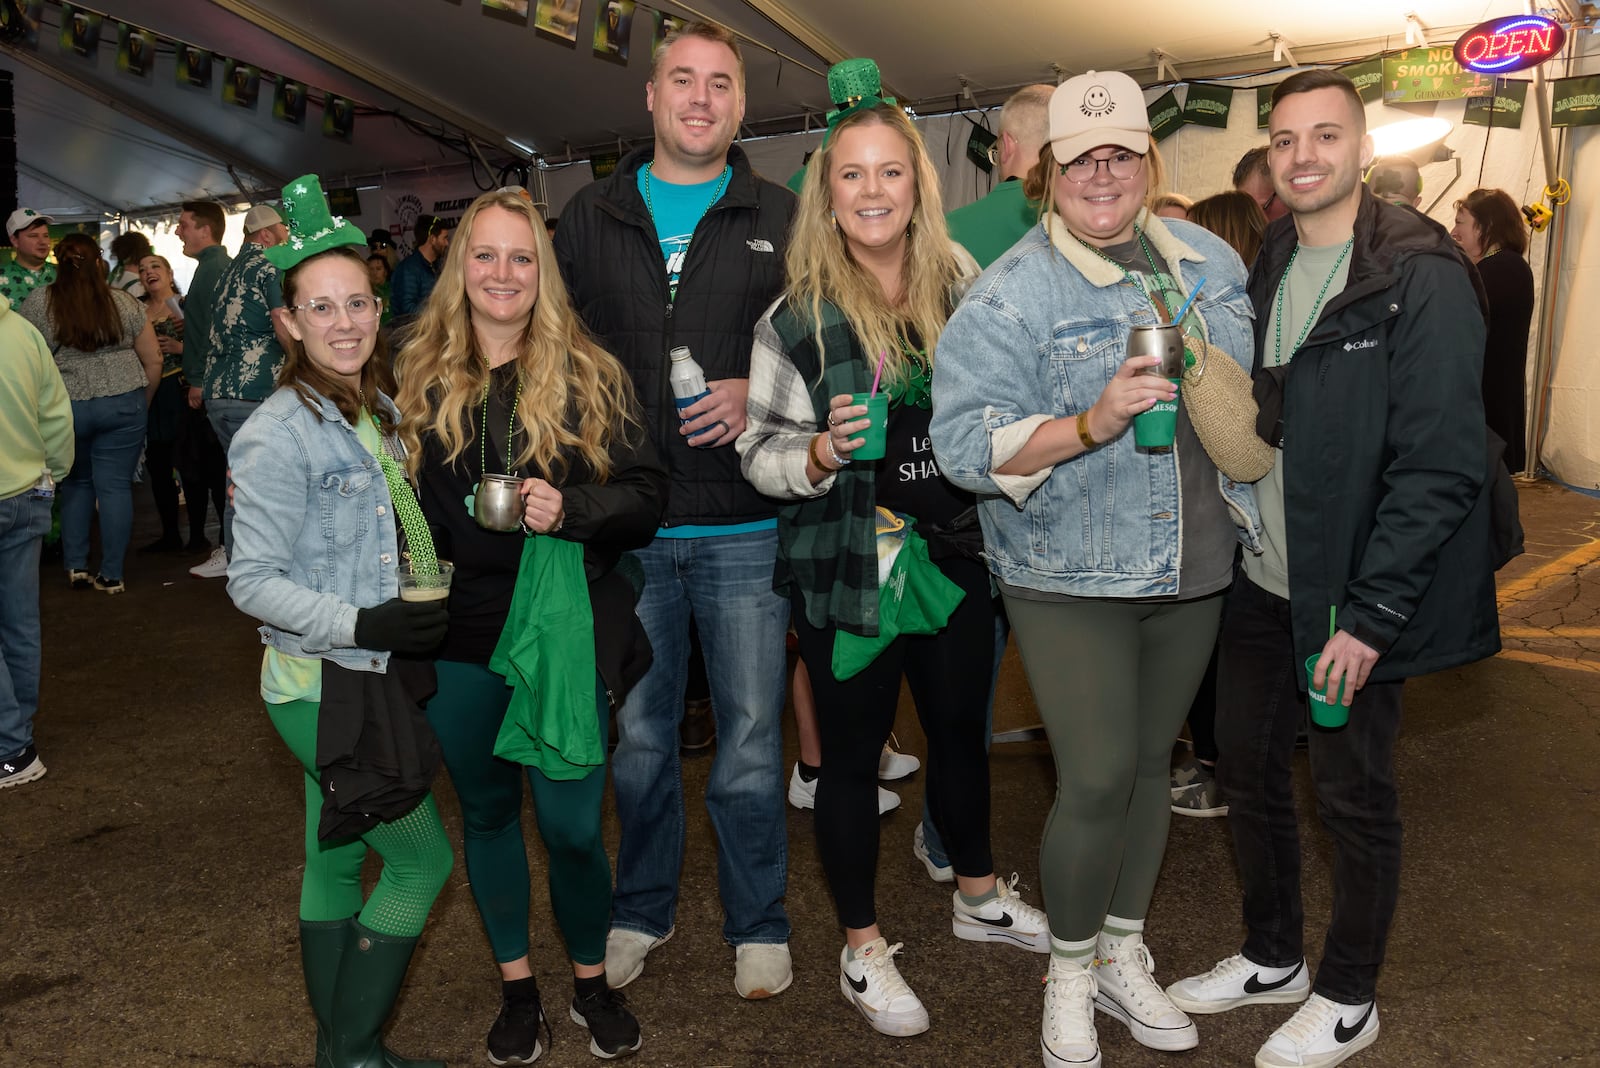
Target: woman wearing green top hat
(872,272)
(324,518)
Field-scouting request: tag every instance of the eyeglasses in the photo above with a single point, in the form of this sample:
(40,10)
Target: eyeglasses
(361,309)
(1121,166)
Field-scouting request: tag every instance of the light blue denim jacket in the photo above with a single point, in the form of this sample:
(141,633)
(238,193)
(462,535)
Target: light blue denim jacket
(1038,336)
(313,531)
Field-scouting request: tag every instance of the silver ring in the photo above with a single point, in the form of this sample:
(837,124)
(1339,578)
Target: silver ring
(831,420)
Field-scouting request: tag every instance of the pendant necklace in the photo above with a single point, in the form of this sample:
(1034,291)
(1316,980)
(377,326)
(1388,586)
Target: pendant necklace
(483,435)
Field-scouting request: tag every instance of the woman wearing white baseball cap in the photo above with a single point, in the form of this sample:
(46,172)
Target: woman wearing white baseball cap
(1112,551)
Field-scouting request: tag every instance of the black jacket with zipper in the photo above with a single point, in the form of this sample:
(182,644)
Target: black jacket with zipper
(611,260)
(1385,483)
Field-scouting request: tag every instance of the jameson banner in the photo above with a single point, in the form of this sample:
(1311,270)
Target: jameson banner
(1423,75)
(1575,101)
(1263,105)
(1368,78)
(1166,115)
(1208,105)
(1502,110)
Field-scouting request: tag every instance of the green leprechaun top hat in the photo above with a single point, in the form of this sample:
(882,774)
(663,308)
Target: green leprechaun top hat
(312,228)
(853,84)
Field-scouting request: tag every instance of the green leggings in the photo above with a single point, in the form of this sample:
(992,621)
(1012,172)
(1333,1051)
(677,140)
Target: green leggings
(415,850)
(1113,682)
(466,714)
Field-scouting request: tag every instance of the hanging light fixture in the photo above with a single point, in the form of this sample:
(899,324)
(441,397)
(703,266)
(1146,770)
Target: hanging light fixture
(1420,139)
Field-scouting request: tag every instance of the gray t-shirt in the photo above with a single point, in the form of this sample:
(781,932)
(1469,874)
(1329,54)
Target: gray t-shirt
(105,372)
(1316,271)
(1205,551)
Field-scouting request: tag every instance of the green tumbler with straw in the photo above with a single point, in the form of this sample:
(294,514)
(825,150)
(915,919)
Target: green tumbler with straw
(1327,710)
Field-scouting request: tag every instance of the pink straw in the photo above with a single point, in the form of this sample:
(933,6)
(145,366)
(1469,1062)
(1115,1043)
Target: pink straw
(881,355)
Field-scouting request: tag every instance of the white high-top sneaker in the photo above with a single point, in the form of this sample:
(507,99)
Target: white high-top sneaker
(1066,1032)
(1128,992)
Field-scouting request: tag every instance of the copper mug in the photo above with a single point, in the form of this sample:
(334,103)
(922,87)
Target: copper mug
(498,502)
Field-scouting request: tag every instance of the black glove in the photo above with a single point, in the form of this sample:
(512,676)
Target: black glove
(410,627)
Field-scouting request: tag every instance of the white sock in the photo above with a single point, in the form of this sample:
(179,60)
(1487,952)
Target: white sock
(1117,930)
(1079,953)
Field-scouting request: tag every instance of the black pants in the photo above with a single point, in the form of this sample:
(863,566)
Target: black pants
(949,675)
(1352,769)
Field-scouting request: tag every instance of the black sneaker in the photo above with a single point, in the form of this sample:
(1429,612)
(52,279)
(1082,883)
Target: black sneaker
(514,1037)
(80,580)
(24,767)
(105,585)
(613,1032)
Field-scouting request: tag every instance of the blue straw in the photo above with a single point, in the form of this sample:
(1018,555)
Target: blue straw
(1185,309)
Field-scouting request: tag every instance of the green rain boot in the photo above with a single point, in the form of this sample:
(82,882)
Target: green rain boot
(321,946)
(371,969)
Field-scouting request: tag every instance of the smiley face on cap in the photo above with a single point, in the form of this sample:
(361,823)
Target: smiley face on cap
(1097,102)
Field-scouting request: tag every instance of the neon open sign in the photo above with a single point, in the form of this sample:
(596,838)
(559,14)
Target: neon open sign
(1512,42)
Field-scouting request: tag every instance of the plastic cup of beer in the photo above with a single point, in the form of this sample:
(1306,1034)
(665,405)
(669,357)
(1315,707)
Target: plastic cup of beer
(426,586)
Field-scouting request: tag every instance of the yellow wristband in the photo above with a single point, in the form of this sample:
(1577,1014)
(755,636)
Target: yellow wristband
(1083,432)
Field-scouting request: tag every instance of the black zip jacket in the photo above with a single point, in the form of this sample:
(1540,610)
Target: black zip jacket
(611,260)
(1384,449)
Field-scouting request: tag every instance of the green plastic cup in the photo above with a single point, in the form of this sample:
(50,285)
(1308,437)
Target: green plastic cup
(875,436)
(1157,427)
(1326,711)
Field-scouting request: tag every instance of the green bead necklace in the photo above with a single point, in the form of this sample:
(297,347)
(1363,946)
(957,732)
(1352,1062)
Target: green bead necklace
(1316,309)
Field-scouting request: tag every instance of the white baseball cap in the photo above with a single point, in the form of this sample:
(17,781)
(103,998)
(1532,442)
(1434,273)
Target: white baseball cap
(260,217)
(23,218)
(1098,108)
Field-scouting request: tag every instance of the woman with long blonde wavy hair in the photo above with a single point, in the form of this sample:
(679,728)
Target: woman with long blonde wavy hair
(872,273)
(499,377)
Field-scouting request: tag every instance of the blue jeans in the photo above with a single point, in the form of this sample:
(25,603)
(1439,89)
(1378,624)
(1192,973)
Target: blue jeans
(1262,708)
(725,583)
(110,436)
(227,415)
(24,521)
(930,834)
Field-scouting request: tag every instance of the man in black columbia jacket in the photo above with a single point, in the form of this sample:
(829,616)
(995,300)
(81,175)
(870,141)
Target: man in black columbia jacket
(684,245)
(1375,515)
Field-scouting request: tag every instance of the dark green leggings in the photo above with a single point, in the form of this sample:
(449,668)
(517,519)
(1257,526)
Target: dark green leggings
(415,850)
(1113,681)
(466,714)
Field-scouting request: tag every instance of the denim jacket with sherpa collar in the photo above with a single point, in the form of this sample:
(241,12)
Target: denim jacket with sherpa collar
(314,536)
(1038,337)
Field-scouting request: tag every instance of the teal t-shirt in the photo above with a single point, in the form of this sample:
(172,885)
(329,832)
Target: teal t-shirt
(676,211)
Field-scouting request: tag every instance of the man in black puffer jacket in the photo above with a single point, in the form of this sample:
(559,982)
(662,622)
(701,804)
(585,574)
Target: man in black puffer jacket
(684,245)
(1378,509)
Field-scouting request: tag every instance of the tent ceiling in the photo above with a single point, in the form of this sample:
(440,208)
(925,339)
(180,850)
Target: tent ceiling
(447,57)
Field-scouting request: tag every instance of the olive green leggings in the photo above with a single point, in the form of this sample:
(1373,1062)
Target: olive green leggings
(1113,681)
(416,853)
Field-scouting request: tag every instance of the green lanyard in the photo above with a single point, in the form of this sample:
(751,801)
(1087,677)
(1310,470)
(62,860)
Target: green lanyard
(1316,309)
(419,539)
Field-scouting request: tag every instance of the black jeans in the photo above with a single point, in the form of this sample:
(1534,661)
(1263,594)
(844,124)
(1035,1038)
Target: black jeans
(1261,707)
(949,675)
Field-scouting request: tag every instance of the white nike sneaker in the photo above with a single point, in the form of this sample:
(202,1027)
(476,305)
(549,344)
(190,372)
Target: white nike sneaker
(803,794)
(1128,992)
(1239,981)
(1007,919)
(1067,1036)
(893,764)
(1321,1034)
(874,986)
